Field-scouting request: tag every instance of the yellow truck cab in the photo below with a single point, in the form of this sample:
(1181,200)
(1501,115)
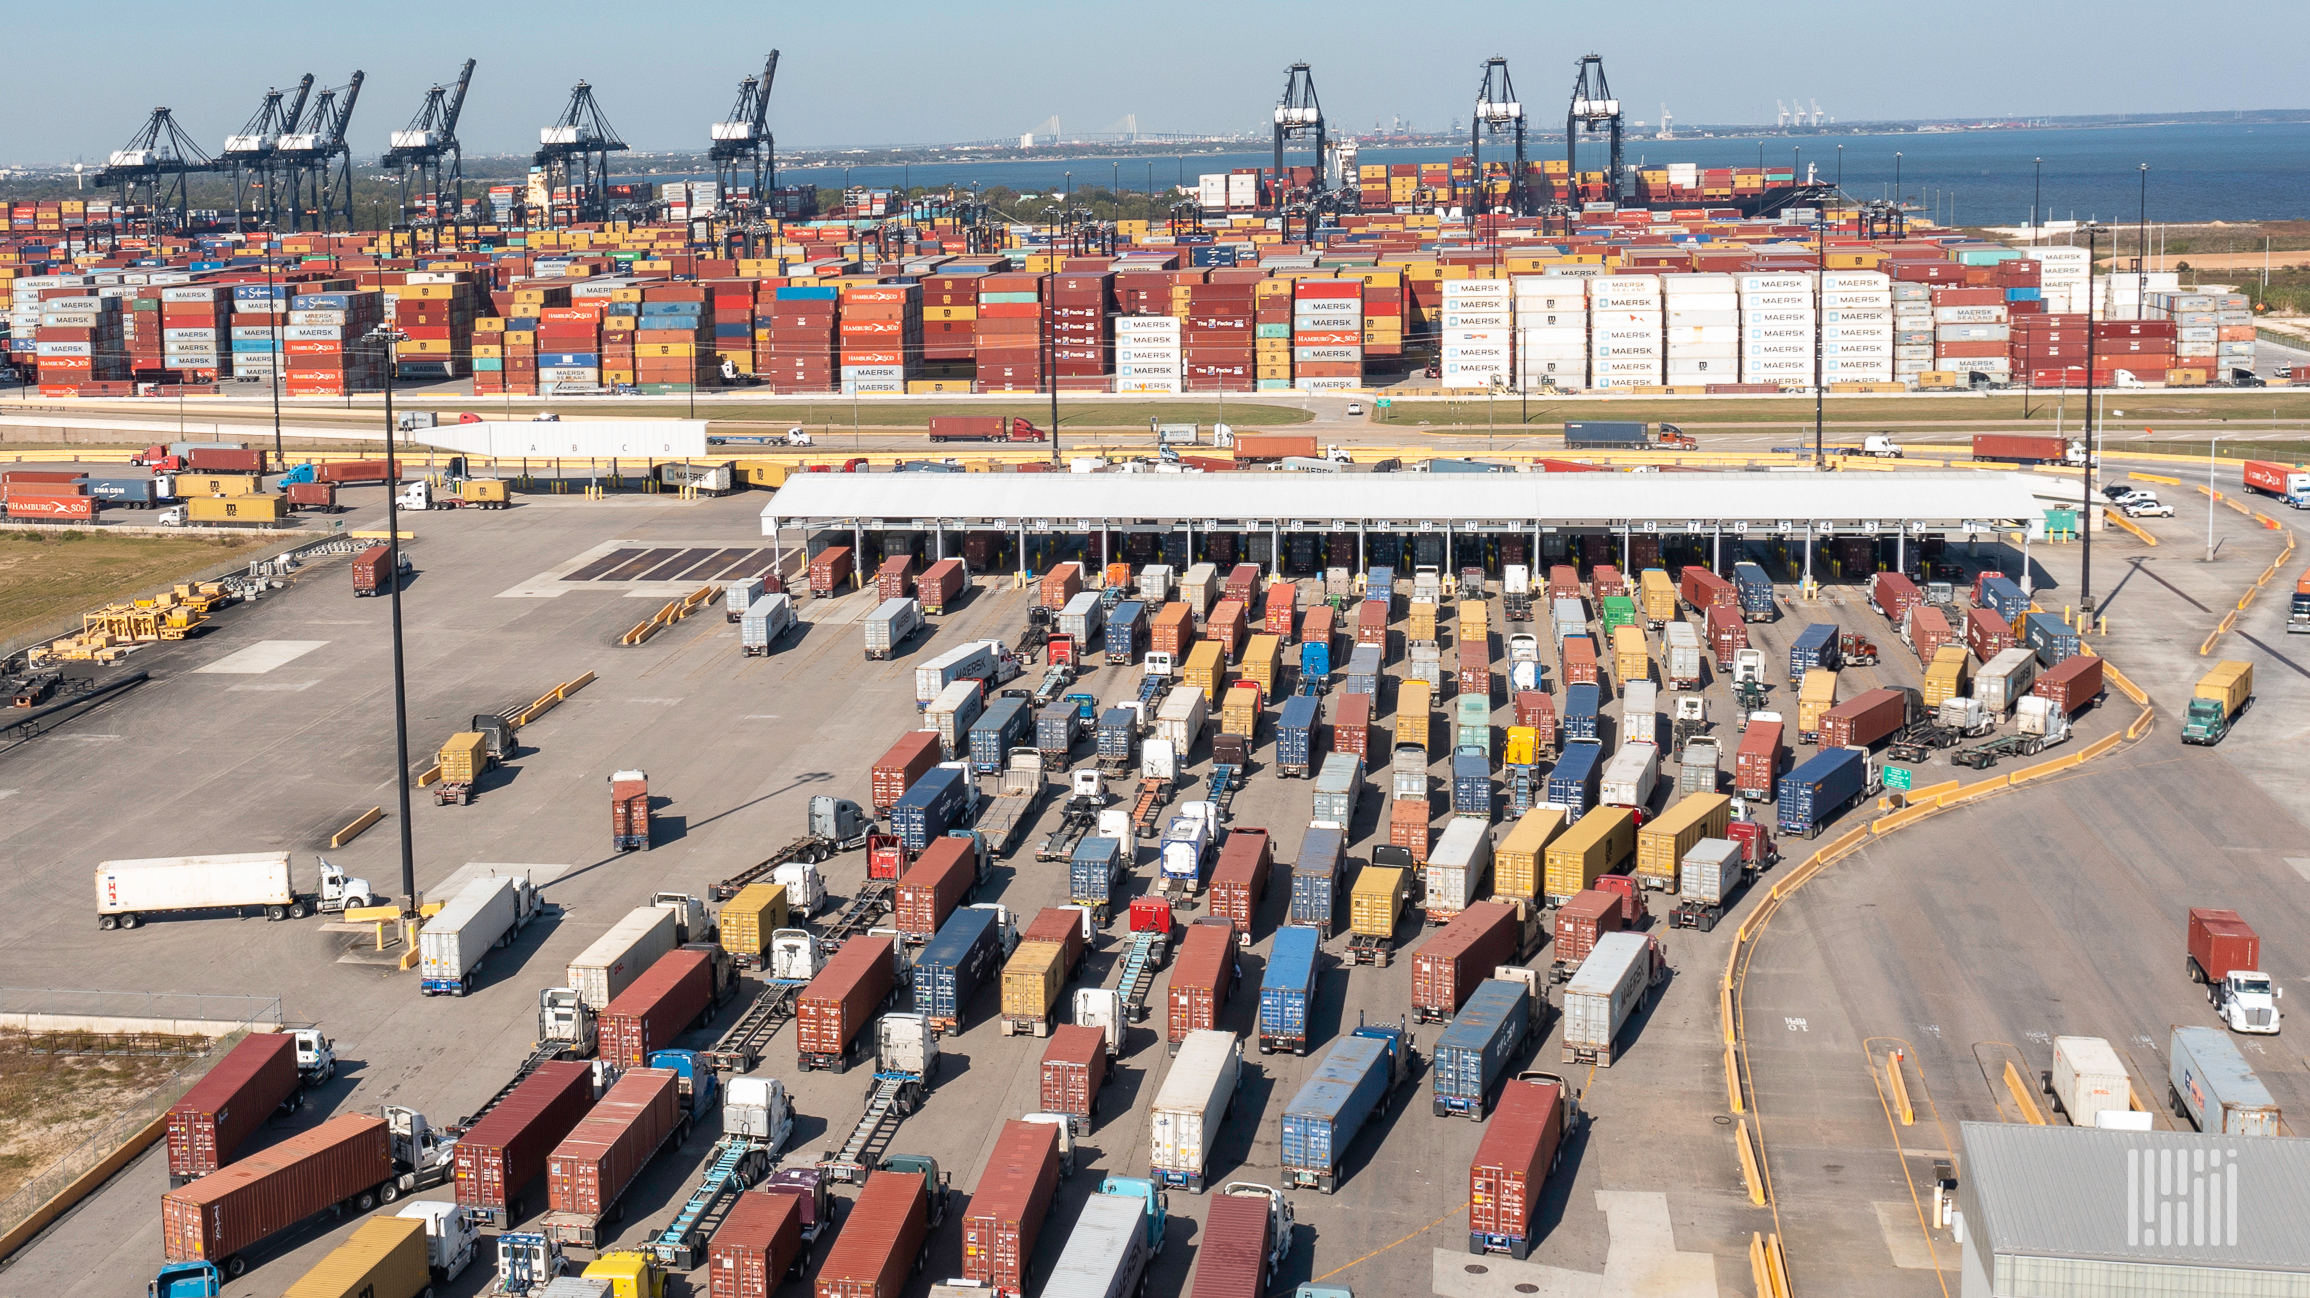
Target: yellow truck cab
(631,1274)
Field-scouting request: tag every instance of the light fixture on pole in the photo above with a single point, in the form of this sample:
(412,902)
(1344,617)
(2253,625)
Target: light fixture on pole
(2085,475)
(273,305)
(383,339)
(2037,198)
(2211,443)
(2141,248)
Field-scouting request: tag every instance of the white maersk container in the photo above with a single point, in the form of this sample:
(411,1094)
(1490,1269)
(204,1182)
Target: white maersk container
(2006,680)
(738,596)
(890,625)
(485,913)
(619,956)
(2088,1077)
(1606,991)
(127,891)
(1458,865)
(766,621)
(1192,1106)
(1628,778)
(975,660)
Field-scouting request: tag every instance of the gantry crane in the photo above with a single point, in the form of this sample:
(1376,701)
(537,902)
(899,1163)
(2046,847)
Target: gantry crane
(315,165)
(1498,113)
(743,143)
(575,152)
(428,146)
(156,161)
(1298,116)
(1594,108)
(253,154)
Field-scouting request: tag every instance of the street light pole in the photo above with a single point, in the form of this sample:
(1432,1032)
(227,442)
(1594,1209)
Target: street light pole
(2142,248)
(2085,475)
(273,305)
(2037,196)
(2210,511)
(385,338)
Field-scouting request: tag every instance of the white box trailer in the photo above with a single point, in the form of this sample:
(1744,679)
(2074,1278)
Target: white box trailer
(1629,777)
(1179,720)
(486,913)
(975,661)
(128,892)
(764,623)
(892,624)
(738,595)
(1605,992)
(619,956)
(2088,1077)
(1457,867)
(1192,1106)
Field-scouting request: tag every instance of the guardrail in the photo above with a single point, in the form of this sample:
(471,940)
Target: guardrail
(2230,619)
(665,617)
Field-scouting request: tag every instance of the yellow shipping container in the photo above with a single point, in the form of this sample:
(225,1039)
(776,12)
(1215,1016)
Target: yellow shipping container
(190,485)
(1413,699)
(385,1258)
(1239,715)
(482,491)
(1662,843)
(1952,669)
(464,757)
(1260,657)
(1631,661)
(1031,979)
(1422,624)
(1817,696)
(2230,684)
(236,509)
(1518,861)
(748,919)
(1523,746)
(1475,621)
(1206,668)
(1596,845)
(1377,900)
(1658,594)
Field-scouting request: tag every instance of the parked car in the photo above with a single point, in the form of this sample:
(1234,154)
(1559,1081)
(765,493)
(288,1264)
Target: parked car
(2147,509)
(1355,408)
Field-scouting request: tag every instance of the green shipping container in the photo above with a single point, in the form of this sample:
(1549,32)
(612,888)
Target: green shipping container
(1616,611)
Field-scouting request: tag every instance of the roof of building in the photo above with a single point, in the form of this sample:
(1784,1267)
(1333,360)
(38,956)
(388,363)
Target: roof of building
(1647,501)
(2082,1192)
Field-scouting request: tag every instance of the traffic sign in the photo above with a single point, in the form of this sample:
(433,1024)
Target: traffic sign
(1898,777)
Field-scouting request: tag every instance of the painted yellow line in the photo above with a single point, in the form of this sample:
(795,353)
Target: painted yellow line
(2155,477)
(1385,1247)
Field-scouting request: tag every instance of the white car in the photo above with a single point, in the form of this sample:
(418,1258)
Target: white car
(2132,496)
(1355,408)
(2147,509)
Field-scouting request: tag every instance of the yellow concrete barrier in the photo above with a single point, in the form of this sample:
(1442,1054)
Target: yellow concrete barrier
(1760,1272)
(353,830)
(2125,685)
(548,701)
(2099,746)
(2042,769)
(371,914)
(1907,815)
(2155,477)
(1932,792)
(1900,1088)
(1732,1081)
(1725,1010)
(2022,1096)
(1748,1157)
(2118,517)
(1777,1262)
(2141,724)
(429,775)
(379,534)
(1978,789)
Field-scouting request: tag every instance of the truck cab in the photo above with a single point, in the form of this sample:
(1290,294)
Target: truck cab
(805,887)
(794,956)
(526,1263)
(938,1183)
(631,1273)
(340,892)
(422,1156)
(1279,1223)
(1065,1122)
(185,1280)
(564,1019)
(1880,446)
(695,1083)
(451,1237)
(1158,1203)
(1102,1008)
(839,821)
(1158,665)
(692,921)
(2248,1002)
(812,1186)
(316,1057)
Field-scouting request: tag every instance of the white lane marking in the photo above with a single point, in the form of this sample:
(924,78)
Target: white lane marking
(259,658)
(272,687)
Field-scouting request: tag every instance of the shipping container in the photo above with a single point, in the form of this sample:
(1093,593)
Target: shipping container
(892,623)
(1376,902)
(1126,633)
(1573,781)
(657,1007)
(1346,1089)
(1239,880)
(254,1080)
(1508,1177)
(2073,684)
(1009,1205)
(2088,1077)
(1456,868)
(830,571)
(1074,1068)
(930,807)
(1815,792)
(1661,843)
(2051,638)
(1583,704)
(1447,967)
(1472,785)
(881,1241)
(1865,719)
(940,585)
(1191,1106)
(606,1151)
(976,661)
(831,1013)
(1757,767)
(1816,695)
(1064,925)
(757,1247)
(951,715)
(897,769)
(1031,981)
(1236,1255)
(1484,1041)
(1583,918)
(2209,1082)
(1351,727)
(942,878)
(1287,991)
(384,1258)
(502,1155)
(1598,844)
(1709,872)
(1296,750)
(1612,986)
(1754,590)
(954,964)
(1203,975)
(228,1212)
(618,957)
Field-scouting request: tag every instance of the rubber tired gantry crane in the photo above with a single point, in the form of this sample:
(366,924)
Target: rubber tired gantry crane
(315,165)
(428,146)
(743,144)
(1498,113)
(253,154)
(575,153)
(155,163)
(1594,108)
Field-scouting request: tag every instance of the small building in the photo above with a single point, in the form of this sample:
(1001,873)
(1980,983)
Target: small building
(2158,1214)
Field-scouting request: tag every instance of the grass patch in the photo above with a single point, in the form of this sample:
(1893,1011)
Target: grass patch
(56,1091)
(2152,407)
(48,577)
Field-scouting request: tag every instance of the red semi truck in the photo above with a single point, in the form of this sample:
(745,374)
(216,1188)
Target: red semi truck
(984,428)
(2024,448)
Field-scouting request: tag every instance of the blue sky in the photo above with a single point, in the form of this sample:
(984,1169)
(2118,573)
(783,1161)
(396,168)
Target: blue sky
(81,81)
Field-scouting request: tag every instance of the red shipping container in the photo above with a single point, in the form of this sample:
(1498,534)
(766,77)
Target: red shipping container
(1173,632)
(2221,941)
(1446,969)
(1757,766)
(630,811)
(897,769)
(250,1201)
(875,1252)
(895,579)
(1928,631)
(1063,925)
(1408,826)
(1606,581)
(229,1103)
(829,570)
(1507,1177)
(1239,880)
(1581,919)
(1201,979)
(2072,683)
(1009,1205)
(1351,725)
(937,882)
(756,1248)
(1563,582)
(1282,609)
(1243,582)
(2266,475)
(1232,1250)
(1864,720)
(940,584)
(1579,660)
(2018,447)
(1537,709)
(836,1006)
(318,494)
(501,1154)
(1317,626)
(657,1007)
(1230,625)
(79,509)
(1893,595)
(1704,589)
(1728,633)
(1986,633)
(1372,624)
(1061,584)
(1474,667)
(608,1148)
(1074,1068)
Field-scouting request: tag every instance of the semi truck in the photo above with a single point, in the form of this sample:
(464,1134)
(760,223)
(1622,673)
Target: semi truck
(1115,1240)
(131,891)
(2225,954)
(984,428)
(486,914)
(2221,697)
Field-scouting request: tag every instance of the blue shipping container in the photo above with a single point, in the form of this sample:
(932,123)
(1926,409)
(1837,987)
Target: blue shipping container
(929,808)
(1475,1050)
(2004,595)
(1471,785)
(1126,629)
(1295,751)
(1820,789)
(122,491)
(1118,734)
(1363,671)
(1346,1089)
(2050,637)
(996,732)
(1754,587)
(1315,876)
(1055,727)
(1380,584)
(1287,991)
(1582,703)
(1815,646)
(1315,660)
(1093,869)
(1572,785)
(955,963)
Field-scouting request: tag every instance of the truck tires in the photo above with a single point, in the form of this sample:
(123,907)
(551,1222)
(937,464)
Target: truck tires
(389,1191)
(130,919)
(234,1267)
(298,908)
(276,913)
